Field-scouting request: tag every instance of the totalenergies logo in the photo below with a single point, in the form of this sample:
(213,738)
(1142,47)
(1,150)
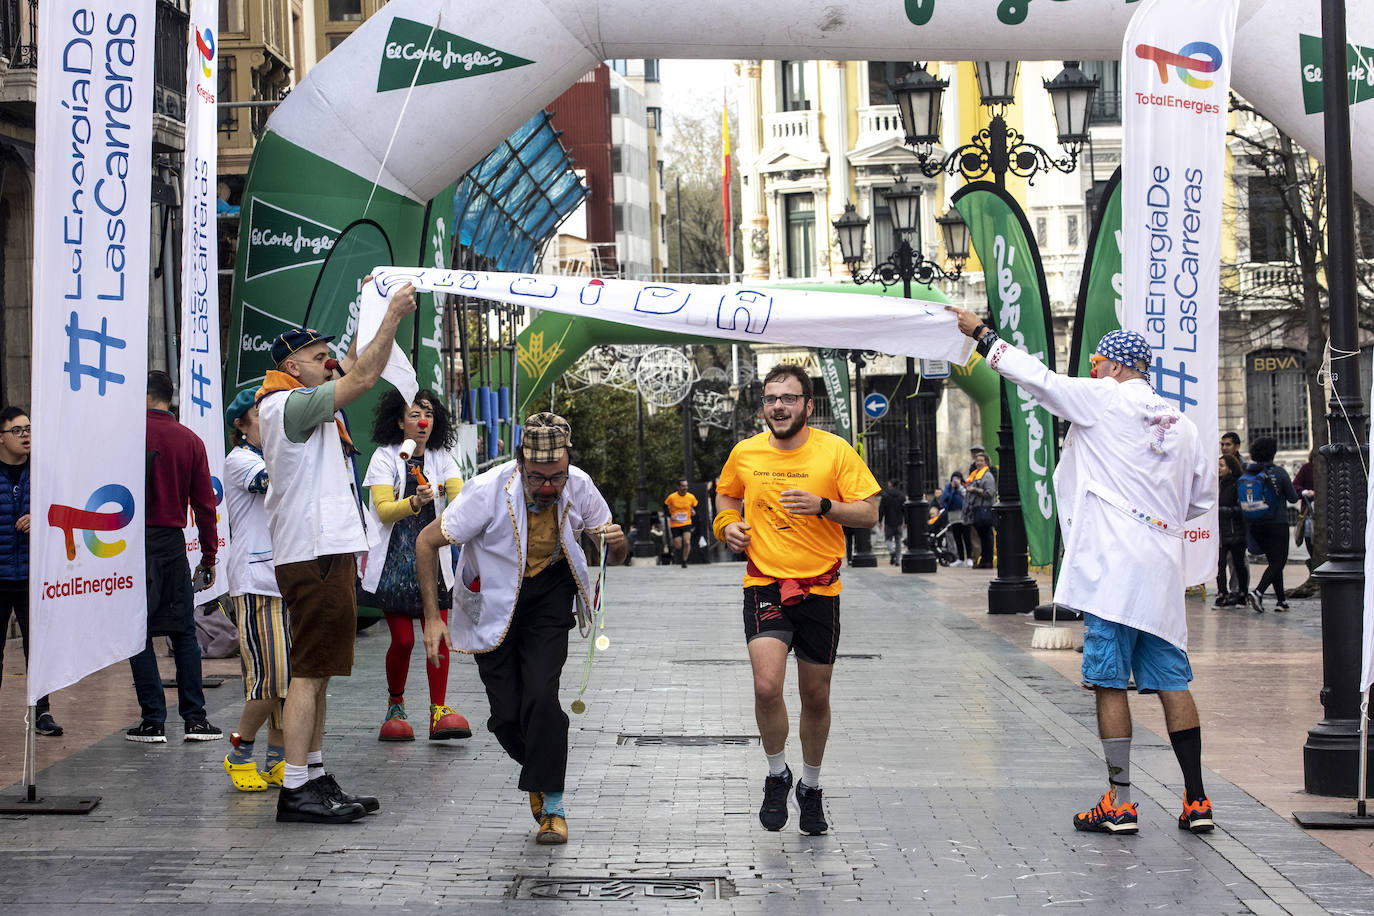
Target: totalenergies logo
(205,43)
(90,520)
(1184,62)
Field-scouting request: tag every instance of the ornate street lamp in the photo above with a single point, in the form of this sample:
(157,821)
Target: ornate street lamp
(906,264)
(996,150)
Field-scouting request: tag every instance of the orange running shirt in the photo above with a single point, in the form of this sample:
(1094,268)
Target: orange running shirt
(783,545)
(680,509)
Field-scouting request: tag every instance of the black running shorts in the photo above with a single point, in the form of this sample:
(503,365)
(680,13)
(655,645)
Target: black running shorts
(811,628)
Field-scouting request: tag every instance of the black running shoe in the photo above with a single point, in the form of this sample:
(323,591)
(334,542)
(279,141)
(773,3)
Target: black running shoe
(773,814)
(810,816)
(147,733)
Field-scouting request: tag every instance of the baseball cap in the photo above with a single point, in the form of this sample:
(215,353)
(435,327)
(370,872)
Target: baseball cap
(289,342)
(1125,347)
(976,449)
(239,405)
(546,438)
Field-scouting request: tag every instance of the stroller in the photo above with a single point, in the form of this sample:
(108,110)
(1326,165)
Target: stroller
(941,537)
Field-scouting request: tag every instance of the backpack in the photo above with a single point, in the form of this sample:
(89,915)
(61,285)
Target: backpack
(1259,498)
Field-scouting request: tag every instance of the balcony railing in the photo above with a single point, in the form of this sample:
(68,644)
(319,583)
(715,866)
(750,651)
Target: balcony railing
(878,123)
(169,62)
(793,127)
(19,32)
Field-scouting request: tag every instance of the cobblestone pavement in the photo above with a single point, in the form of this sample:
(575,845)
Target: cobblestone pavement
(955,763)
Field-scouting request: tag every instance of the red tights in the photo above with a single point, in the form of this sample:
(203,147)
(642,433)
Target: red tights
(398,659)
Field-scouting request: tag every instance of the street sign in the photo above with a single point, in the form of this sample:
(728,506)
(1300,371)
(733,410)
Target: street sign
(875,406)
(935,368)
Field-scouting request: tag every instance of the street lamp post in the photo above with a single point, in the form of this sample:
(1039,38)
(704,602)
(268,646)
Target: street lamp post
(906,264)
(643,545)
(997,150)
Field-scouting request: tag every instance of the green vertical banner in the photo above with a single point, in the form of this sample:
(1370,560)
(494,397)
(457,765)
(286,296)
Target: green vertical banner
(426,351)
(1019,301)
(835,374)
(1099,292)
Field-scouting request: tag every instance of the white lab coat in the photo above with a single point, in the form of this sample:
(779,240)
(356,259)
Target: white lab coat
(1132,472)
(489,520)
(388,468)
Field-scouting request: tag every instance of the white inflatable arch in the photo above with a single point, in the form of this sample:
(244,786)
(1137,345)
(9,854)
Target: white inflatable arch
(368,137)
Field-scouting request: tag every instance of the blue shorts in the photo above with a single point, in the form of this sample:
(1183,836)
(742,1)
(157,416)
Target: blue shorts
(1112,652)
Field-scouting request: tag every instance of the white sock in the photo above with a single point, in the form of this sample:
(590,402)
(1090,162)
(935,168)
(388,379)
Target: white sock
(811,776)
(295,777)
(777,763)
(315,760)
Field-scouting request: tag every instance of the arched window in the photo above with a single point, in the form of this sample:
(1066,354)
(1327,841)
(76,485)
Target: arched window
(1276,396)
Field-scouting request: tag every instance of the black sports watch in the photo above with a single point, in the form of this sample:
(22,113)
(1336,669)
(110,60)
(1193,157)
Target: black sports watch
(986,340)
(825,507)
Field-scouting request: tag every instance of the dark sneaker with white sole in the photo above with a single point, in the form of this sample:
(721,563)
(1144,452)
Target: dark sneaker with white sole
(147,733)
(47,725)
(810,816)
(773,814)
(200,731)
(1196,816)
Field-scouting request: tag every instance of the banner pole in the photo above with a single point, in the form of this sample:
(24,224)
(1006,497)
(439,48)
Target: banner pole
(30,772)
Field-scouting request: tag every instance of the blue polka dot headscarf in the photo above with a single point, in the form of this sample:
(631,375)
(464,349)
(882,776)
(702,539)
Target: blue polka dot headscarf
(1125,347)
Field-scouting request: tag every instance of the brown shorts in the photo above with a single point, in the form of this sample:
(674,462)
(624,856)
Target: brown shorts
(324,614)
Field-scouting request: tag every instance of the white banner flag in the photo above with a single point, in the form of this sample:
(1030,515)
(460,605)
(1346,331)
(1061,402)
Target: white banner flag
(1175,72)
(847,321)
(90,338)
(202,392)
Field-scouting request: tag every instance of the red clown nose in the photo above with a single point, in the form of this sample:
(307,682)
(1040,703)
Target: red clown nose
(331,364)
(422,424)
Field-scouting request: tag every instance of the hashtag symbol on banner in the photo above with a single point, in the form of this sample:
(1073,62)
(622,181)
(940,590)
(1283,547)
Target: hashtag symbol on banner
(199,382)
(75,368)
(1162,377)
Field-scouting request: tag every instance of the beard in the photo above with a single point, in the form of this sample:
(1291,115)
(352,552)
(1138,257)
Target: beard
(791,427)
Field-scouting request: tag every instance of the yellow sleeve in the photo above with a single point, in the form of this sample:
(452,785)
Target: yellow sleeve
(389,509)
(452,487)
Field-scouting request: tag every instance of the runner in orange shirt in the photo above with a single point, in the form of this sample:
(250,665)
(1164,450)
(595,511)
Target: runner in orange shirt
(682,511)
(784,496)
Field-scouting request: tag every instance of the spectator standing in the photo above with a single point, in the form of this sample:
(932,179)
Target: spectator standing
(263,623)
(178,478)
(892,513)
(952,500)
(980,493)
(1231,534)
(1265,490)
(16,442)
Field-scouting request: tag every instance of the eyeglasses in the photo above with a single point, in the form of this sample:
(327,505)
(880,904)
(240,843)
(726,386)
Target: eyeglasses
(19,431)
(539,480)
(789,399)
(1095,359)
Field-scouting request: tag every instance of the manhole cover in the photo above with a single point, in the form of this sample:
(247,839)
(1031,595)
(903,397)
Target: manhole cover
(626,889)
(688,740)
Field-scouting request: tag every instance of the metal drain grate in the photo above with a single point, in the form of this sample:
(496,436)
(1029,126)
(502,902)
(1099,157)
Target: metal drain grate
(847,656)
(688,740)
(622,889)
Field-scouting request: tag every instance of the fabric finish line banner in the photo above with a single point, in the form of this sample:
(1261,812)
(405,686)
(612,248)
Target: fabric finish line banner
(92,190)
(851,321)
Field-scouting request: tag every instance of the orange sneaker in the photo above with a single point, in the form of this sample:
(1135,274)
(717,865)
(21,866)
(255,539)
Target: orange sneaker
(1196,816)
(1108,819)
(445,723)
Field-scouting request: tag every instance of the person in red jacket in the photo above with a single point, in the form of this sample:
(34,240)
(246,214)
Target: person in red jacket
(178,477)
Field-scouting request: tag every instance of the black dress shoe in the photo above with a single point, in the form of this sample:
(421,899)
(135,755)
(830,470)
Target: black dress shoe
(307,805)
(329,788)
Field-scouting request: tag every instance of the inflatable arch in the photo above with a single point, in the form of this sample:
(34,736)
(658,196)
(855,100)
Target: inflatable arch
(425,88)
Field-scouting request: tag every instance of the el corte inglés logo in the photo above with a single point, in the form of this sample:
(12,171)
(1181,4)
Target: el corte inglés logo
(280,240)
(439,55)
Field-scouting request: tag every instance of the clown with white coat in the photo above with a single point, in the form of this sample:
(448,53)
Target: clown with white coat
(1133,471)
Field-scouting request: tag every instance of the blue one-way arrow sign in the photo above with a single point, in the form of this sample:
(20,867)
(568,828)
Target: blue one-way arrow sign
(875,406)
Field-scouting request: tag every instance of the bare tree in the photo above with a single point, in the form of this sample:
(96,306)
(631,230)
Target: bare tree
(693,165)
(1294,294)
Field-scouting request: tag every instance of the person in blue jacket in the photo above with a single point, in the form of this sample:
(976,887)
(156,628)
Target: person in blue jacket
(16,441)
(1270,533)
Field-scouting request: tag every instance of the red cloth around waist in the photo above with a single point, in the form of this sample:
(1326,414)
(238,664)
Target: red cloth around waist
(792,591)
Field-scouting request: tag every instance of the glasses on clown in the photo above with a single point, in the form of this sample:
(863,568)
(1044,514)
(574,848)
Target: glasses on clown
(539,480)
